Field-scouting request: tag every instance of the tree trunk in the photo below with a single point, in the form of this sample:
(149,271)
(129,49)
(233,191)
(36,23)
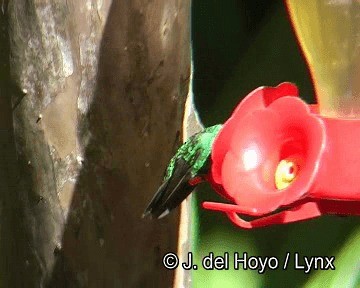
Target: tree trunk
(191,126)
(96,109)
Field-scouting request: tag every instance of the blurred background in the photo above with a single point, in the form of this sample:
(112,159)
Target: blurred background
(239,45)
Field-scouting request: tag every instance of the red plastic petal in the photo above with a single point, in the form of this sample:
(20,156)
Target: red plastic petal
(257,99)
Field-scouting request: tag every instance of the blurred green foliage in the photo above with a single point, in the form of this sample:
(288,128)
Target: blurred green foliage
(238,46)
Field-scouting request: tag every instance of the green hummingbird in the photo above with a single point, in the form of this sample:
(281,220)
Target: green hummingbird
(187,168)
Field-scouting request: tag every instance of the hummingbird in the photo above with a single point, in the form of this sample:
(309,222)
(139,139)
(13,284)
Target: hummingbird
(187,168)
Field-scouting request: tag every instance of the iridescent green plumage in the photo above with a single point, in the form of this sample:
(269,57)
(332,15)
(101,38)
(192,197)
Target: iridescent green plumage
(192,160)
(195,151)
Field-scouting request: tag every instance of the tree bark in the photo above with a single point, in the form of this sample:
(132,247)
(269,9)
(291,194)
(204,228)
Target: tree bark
(191,126)
(97,104)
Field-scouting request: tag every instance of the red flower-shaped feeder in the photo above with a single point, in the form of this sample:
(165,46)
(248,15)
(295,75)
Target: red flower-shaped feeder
(277,153)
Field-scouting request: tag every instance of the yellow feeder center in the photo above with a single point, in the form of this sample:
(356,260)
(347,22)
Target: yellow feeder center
(285,174)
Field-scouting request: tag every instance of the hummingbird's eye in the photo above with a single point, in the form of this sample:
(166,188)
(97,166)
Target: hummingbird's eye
(285,174)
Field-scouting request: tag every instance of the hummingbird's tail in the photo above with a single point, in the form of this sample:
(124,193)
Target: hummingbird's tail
(172,192)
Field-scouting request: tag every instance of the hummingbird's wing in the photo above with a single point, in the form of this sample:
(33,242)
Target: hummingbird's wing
(172,192)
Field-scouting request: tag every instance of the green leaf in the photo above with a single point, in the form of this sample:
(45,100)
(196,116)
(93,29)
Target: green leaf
(347,267)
